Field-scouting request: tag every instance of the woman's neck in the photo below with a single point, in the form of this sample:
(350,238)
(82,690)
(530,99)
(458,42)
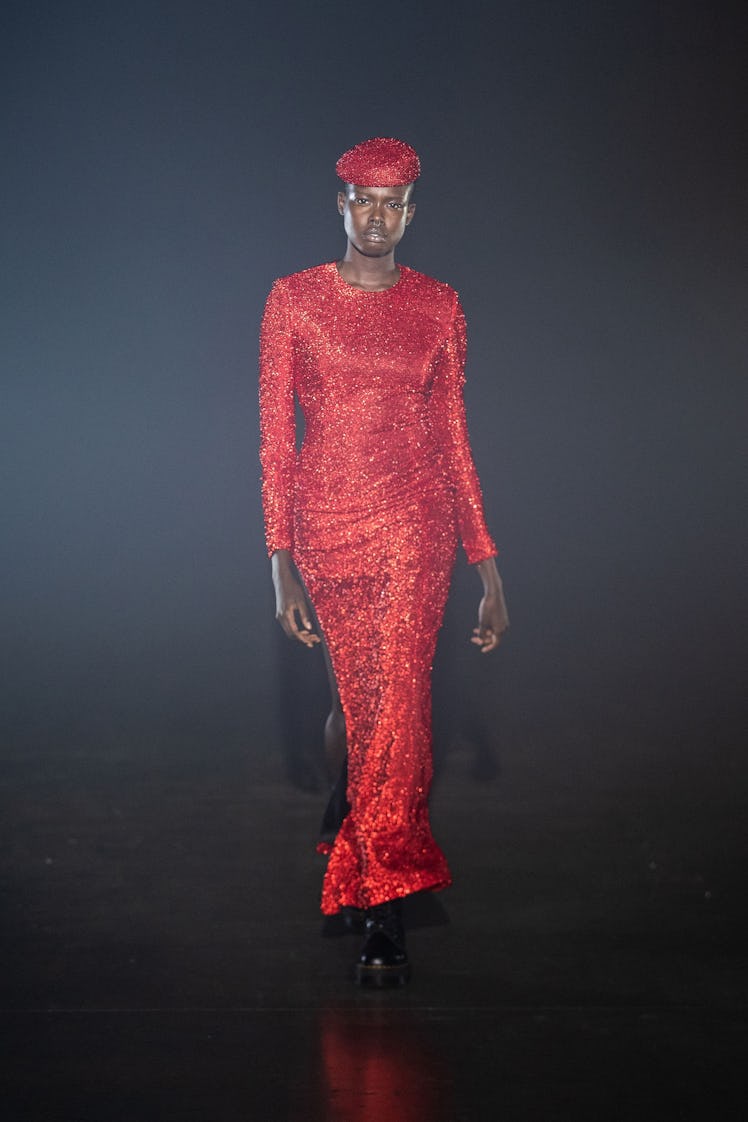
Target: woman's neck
(373,273)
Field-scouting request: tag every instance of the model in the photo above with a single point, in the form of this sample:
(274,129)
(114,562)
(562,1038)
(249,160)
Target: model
(369,513)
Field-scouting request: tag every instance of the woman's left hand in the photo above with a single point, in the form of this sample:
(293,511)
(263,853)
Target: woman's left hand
(493,619)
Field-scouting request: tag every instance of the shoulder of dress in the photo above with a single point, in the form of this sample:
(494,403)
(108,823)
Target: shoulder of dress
(433,288)
(305,279)
(302,290)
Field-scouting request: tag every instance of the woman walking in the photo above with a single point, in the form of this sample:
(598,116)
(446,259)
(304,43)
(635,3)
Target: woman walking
(369,513)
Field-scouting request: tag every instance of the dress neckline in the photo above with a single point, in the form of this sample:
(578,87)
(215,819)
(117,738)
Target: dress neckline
(367,291)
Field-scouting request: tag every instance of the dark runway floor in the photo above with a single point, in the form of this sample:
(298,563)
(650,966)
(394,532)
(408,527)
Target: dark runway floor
(163,956)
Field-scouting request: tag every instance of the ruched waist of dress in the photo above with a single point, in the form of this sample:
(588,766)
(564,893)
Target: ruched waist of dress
(368,490)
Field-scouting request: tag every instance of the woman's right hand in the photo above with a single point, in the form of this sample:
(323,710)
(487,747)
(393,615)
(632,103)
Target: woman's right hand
(291,607)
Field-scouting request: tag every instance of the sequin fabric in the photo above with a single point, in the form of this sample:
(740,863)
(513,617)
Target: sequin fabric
(371,508)
(379,162)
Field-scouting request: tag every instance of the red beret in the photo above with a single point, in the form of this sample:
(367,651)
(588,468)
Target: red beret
(380,162)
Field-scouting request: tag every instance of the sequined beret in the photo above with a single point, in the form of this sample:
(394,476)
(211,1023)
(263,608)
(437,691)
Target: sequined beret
(379,162)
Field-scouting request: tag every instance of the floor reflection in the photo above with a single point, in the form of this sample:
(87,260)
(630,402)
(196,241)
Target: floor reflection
(382,1062)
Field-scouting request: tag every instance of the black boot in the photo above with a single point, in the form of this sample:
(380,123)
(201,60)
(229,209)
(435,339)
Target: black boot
(383,960)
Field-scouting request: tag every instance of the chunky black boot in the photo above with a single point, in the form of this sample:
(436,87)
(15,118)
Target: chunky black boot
(383,960)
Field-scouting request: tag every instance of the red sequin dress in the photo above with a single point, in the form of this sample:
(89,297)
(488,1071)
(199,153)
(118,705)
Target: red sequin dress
(371,509)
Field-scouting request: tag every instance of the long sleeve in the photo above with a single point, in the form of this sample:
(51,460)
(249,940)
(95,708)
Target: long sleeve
(450,424)
(277,422)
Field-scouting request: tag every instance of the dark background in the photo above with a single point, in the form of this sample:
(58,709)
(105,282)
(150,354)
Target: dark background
(584,187)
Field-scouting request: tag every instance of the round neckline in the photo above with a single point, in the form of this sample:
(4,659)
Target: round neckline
(368,291)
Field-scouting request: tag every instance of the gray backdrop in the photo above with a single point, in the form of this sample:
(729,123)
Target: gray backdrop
(584,189)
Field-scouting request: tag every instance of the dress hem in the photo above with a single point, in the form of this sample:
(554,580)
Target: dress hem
(419,884)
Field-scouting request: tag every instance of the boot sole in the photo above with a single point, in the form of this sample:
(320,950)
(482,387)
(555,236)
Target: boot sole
(380,977)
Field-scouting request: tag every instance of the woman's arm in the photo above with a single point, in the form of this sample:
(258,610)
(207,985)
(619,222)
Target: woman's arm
(277,421)
(291,608)
(450,425)
(278,458)
(448,410)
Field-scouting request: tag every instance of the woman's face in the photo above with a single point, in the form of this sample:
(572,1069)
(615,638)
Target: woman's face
(375,217)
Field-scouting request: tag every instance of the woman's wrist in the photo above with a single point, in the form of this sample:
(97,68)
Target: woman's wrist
(281,563)
(489,574)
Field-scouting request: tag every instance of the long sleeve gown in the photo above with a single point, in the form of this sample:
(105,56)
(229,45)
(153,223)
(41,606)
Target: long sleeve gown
(371,508)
